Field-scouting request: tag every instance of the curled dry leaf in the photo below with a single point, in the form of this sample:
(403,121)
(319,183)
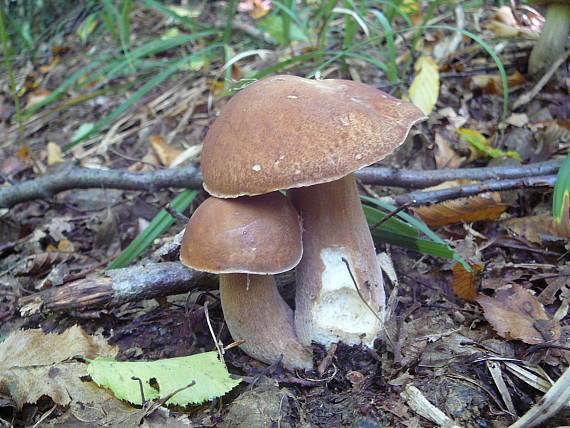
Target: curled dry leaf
(486,206)
(165,152)
(515,313)
(504,24)
(445,156)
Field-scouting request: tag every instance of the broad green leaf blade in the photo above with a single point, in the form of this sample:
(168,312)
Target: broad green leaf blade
(209,374)
(561,191)
(159,224)
(373,216)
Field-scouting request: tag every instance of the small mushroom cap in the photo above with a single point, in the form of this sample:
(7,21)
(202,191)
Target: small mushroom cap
(283,132)
(256,235)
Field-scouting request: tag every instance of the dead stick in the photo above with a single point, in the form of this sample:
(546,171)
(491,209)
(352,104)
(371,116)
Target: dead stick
(419,197)
(72,177)
(117,287)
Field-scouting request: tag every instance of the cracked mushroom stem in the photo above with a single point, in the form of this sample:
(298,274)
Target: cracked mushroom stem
(552,41)
(246,241)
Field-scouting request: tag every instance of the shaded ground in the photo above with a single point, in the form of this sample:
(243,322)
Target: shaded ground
(435,340)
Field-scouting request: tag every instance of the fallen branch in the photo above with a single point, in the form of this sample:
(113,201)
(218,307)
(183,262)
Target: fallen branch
(72,177)
(117,287)
(419,197)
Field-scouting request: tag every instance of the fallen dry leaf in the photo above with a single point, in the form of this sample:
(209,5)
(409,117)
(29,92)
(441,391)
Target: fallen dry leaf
(33,364)
(515,313)
(445,156)
(486,206)
(493,84)
(465,284)
(504,24)
(53,154)
(165,152)
(424,90)
(536,228)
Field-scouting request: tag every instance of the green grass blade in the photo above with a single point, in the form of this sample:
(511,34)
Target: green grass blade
(159,224)
(561,191)
(420,245)
(393,224)
(419,225)
(66,84)
(391,46)
(141,92)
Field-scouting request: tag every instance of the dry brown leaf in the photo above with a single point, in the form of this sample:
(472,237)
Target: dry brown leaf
(493,84)
(39,264)
(515,313)
(163,150)
(535,228)
(36,97)
(53,154)
(486,206)
(46,68)
(65,245)
(33,364)
(465,284)
(504,24)
(445,156)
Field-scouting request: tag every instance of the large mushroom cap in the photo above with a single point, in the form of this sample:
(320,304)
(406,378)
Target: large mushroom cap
(286,131)
(256,235)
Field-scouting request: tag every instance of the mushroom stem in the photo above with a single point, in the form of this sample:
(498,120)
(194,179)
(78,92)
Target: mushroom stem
(340,293)
(255,312)
(552,39)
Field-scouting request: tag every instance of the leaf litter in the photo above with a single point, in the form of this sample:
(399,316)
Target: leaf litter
(439,340)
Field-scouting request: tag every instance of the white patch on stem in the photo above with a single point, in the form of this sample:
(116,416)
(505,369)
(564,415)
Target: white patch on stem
(339,309)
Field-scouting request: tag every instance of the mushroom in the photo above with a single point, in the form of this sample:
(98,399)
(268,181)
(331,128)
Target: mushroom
(247,240)
(287,132)
(553,37)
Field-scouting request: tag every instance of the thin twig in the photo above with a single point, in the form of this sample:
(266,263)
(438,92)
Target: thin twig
(527,97)
(71,177)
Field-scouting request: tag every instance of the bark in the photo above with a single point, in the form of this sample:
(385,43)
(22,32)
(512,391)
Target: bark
(117,287)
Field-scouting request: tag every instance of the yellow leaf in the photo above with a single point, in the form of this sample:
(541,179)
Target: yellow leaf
(53,154)
(425,87)
(165,152)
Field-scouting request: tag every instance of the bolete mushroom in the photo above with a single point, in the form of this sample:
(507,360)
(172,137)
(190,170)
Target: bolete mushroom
(287,132)
(553,37)
(247,240)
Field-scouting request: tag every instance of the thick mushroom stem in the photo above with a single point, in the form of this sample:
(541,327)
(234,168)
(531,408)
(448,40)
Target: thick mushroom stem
(255,312)
(340,293)
(552,39)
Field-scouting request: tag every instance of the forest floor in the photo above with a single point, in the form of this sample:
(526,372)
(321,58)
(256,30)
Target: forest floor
(476,359)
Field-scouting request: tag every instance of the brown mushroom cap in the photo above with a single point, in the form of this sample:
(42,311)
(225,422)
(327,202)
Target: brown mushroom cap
(256,235)
(286,131)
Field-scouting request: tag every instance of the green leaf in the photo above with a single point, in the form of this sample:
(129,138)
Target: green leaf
(163,377)
(159,224)
(273,25)
(561,195)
